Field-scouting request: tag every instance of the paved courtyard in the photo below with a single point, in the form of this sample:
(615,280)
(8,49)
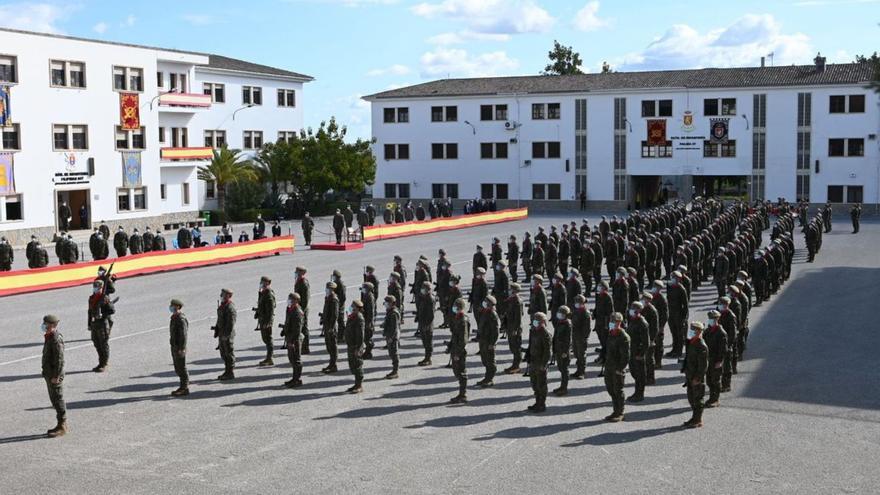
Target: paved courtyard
(803,416)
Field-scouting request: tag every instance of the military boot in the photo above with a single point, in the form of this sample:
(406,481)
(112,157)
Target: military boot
(425,362)
(58,431)
(561,391)
(357,388)
(392,375)
(330,369)
(541,406)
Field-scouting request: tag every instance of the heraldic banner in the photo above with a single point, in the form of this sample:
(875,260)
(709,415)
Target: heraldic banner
(656,132)
(129,111)
(718,129)
(131,169)
(7,177)
(5,112)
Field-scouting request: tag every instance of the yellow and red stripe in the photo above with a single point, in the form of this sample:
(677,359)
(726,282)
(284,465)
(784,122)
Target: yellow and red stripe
(380,232)
(23,281)
(200,153)
(185,100)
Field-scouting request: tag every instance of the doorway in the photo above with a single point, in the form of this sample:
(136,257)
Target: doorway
(80,208)
(647,191)
(721,186)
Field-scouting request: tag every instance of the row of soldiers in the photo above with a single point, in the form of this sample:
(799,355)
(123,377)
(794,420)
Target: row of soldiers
(634,341)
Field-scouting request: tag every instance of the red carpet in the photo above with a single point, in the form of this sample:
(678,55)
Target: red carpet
(332,246)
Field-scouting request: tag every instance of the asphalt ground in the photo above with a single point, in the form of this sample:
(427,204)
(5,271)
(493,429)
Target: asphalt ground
(803,416)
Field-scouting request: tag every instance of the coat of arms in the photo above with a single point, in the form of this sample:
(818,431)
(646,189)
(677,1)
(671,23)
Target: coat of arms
(687,122)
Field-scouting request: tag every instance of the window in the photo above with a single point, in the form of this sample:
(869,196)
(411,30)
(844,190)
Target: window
(538,113)
(160,79)
(161,135)
(163,192)
(836,147)
(210,190)
(554,111)
(649,108)
(396,115)
(286,98)
(216,91)
(440,191)
(658,151)
(546,149)
(179,137)
(68,137)
(252,140)
(123,202)
(541,111)
(140,198)
(835,194)
(286,136)
(215,139)
(12,210)
(728,149)
(664,108)
(251,95)
(178,82)
(397,152)
(490,112)
(802,187)
(805,109)
(538,191)
(710,106)
(656,108)
(444,114)
(710,149)
(728,106)
(130,140)
(66,74)
(855,147)
(619,187)
(8,68)
(133,199)
(724,150)
(493,150)
(444,151)
(856,105)
(854,194)
(546,191)
(493,191)
(128,79)
(452,191)
(804,138)
(837,104)
(184,193)
(9,138)
(554,191)
(397,190)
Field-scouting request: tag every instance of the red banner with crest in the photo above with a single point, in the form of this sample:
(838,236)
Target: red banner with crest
(129,111)
(656,132)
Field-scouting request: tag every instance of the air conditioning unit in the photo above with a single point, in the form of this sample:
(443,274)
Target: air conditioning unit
(510,125)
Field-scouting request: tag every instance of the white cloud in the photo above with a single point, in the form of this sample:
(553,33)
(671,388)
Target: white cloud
(393,70)
(740,44)
(443,62)
(128,21)
(199,19)
(587,19)
(490,16)
(29,16)
(460,37)
(100,27)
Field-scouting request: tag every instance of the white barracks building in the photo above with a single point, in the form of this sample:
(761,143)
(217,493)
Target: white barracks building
(631,138)
(121,129)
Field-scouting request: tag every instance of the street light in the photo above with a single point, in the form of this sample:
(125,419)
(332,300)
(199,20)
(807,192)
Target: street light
(472,127)
(249,105)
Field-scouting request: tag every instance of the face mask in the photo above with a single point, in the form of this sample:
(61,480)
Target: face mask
(720,307)
(387,306)
(101,273)
(95,290)
(485,305)
(43,328)
(691,333)
(711,322)
(455,310)
(673,281)
(424,292)
(335,278)
(452,284)
(579,306)
(612,325)
(655,290)
(536,323)
(560,316)
(262,286)
(328,292)
(632,312)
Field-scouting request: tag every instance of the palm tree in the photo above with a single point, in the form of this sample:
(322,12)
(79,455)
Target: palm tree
(227,167)
(274,164)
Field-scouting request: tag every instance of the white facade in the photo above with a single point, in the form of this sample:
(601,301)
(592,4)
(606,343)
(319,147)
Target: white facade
(593,164)
(45,174)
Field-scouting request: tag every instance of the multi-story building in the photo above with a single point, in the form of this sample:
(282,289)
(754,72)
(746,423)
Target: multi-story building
(65,139)
(797,132)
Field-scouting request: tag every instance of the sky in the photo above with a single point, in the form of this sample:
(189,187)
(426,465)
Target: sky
(359,47)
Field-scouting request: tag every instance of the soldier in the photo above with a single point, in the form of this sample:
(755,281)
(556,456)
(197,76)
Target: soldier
(391,332)
(370,276)
(159,241)
(562,347)
(650,314)
(302,288)
(100,309)
(425,307)
(459,329)
(539,357)
(338,225)
(340,296)
(104,230)
(388,216)
(400,269)
(551,259)
(7,255)
(307,225)
(602,315)
(178,328)
(371,213)
(678,313)
(362,218)
(721,271)
(478,294)
(420,213)
(135,243)
(369,300)
(40,258)
(53,372)
(826,217)
(811,239)
(120,242)
(580,335)
(224,330)
(276,229)
(184,238)
(620,291)
(512,257)
(573,287)
(70,251)
(729,323)
(354,344)
(716,344)
(292,331)
(695,364)
(495,254)
(501,287)
(487,336)
(444,275)
(855,214)
(64,216)
(148,240)
(512,321)
(59,240)
(586,265)
(329,325)
(639,337)
(537,296)
(30,248)
(395,289)
(537,259)
(616,358)
(479,260)
(526,255)
(264,313)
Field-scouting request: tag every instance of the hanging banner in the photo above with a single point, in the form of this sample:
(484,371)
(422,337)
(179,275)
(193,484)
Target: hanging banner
(656,132)
(7,177)
(131,169)
(718,130)
(129,111)
(5,112)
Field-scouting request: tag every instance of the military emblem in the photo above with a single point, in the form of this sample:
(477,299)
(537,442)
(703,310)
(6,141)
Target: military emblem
(718,129)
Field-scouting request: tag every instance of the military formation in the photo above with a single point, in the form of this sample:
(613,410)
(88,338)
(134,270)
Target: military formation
(654,260)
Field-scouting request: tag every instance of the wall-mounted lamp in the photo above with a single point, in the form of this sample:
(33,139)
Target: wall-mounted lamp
(474,129)
(747,121)
(629,125)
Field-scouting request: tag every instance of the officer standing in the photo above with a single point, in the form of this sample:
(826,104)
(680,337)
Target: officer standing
(224,330)
(341,297)
(602,314)
(64,216)
(487,335)
(292,331)
(7,255)
(329,322)
(425,307)
(184,238)
(98,246)
(513,309)
(539,357)
(677,298)
(40,257)
(562,347)
(695,364)
(120,242)
(459,329)
(303,290)
(716,345)
(512,257)
(616,359)
(178,328)
(391,332)
(855,214)
(70,251)
(369,300)
(354,343)
(53,372)
(135,242)
(580,334)
(264,313)
(338,226)
(100,309)
(639,337)
(307,225)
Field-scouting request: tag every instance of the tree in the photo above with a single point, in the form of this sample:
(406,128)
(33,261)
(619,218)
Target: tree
(274,164)
(563,61)
(874,61)
(606,68)
(227,167)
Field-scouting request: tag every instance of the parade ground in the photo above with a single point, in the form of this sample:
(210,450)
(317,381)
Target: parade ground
(803,416)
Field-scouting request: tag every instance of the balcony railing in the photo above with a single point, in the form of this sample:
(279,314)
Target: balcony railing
(184,100)
(186,154)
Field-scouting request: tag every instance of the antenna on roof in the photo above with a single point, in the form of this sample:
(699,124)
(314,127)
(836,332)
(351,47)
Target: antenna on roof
(770,56)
